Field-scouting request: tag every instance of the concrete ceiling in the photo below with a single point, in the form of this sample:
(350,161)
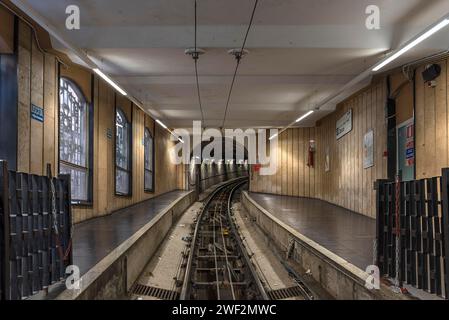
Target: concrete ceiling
(300,51)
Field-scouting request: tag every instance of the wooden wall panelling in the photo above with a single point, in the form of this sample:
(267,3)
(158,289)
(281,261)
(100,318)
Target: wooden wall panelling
(304,161)
(102,179)
(312,170)
(419,129)
(38,142)
(368,185)
(363,130)
(347,184)
(24,90)
(50,113)
(441,138)
(373,170)
(351,154)
(447,111)
(278,172)
(80,76)
(301,176)
(6,32)
(37,99)
(283,163)
(98,197)
(357,156)
(430,129)
(289,162)
(295,159)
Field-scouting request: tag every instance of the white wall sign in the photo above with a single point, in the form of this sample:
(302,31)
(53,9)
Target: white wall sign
(368,150)
(344,124)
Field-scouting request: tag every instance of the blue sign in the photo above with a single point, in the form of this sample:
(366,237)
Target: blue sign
(37,113)
(409,153)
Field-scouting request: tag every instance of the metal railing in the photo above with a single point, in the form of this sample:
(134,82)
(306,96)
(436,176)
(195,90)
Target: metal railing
(35,229)
(417,214)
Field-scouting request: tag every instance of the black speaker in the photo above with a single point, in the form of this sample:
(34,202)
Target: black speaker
(431,73)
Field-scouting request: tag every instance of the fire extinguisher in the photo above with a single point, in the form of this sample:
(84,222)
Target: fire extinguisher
(310,158)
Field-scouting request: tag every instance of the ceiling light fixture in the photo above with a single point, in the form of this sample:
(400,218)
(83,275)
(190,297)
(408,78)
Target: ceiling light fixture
(171,132)
(110,81)
(412,43)
(304,116)
(161,124)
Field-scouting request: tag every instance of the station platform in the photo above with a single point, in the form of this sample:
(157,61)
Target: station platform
(347,234)
(96,238)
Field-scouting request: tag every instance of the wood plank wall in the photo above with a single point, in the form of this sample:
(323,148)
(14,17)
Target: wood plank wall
(6,31)
(37,142)
(347,184)
(293,177)
(432,121)
(37,84)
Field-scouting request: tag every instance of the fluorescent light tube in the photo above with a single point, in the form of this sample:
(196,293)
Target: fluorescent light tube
(304,116)
(162,125)
(109,80)
(412,44)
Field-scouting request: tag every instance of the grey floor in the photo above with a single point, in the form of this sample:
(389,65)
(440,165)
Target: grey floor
(347,234)
(96,238)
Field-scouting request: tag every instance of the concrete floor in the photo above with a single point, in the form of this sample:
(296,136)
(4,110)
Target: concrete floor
(345,233)
(96,238)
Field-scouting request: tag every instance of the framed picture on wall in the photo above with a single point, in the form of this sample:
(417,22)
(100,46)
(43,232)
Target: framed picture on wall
(368,150)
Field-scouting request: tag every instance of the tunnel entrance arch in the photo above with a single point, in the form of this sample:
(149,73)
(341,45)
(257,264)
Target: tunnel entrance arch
(207,171)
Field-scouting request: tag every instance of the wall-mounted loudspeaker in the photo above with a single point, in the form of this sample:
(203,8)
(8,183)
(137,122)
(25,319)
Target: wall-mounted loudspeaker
(431,72)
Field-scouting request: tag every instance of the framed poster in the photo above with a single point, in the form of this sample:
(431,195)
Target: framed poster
(344,124)
(327,166)
(368,150)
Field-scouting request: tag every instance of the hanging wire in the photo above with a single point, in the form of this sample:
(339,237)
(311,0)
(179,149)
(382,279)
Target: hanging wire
(195,58)
(238,57)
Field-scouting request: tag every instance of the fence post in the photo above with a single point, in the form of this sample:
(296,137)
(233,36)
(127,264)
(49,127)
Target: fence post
(445,218)
(4,230)
(378,245)
(397,231)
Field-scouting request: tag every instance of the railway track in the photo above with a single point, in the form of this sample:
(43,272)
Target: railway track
(218,267)
(218,262)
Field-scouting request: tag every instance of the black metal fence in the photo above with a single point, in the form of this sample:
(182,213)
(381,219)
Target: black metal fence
(35,230)
(420,209)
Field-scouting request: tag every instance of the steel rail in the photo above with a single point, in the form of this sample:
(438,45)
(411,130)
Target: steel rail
(215,253)
(242,247)
(188,273)
(226,255)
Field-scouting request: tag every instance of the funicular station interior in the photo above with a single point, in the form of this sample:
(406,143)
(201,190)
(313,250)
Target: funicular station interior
(347,100)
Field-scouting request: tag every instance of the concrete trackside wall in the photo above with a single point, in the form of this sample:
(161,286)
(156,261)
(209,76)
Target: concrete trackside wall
(114,275)
(341,279)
